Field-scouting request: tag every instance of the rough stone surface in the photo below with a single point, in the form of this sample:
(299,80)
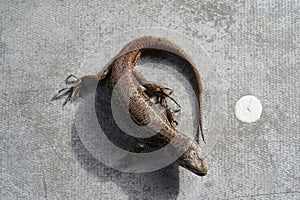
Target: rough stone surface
(254,48)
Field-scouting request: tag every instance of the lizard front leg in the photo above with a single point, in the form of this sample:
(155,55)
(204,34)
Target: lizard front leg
(170,114)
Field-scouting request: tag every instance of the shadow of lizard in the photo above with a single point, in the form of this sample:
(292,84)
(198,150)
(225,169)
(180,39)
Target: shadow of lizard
(160,184)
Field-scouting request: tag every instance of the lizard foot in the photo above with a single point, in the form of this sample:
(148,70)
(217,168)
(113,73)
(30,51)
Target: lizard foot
(71,90)
(161,92)
(170,116)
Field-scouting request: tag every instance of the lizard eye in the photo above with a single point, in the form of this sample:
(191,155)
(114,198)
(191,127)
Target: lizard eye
(193,153)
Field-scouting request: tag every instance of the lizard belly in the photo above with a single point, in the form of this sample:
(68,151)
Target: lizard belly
(139,109)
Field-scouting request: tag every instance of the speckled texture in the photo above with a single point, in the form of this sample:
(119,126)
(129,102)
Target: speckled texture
(254,46)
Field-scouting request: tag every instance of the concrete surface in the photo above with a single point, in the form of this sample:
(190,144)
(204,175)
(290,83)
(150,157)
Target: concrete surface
(254,48)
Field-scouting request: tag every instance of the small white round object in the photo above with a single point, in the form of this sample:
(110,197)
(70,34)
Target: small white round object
(248,109)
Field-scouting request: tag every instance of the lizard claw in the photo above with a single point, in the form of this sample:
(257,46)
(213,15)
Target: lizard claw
(71,82)
(161,92)
(72,90)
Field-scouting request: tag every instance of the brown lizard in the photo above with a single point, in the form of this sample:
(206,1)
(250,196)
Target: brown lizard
(140,106)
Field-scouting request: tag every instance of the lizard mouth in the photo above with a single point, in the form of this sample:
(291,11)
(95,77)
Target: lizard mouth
(198,167)
(202,171)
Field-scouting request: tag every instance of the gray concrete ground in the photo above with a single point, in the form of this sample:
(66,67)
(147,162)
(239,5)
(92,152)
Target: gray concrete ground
(253,47)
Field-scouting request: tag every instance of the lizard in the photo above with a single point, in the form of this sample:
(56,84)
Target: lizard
(140,106)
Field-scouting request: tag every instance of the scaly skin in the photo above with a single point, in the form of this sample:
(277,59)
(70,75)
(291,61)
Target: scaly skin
(141,108)
(153,42)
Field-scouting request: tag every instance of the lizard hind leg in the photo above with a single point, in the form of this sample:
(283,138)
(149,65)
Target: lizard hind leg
(162,93)
(155,90)
(71,90)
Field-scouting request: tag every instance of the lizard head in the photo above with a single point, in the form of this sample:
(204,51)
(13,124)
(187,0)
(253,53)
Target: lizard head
(193,160)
